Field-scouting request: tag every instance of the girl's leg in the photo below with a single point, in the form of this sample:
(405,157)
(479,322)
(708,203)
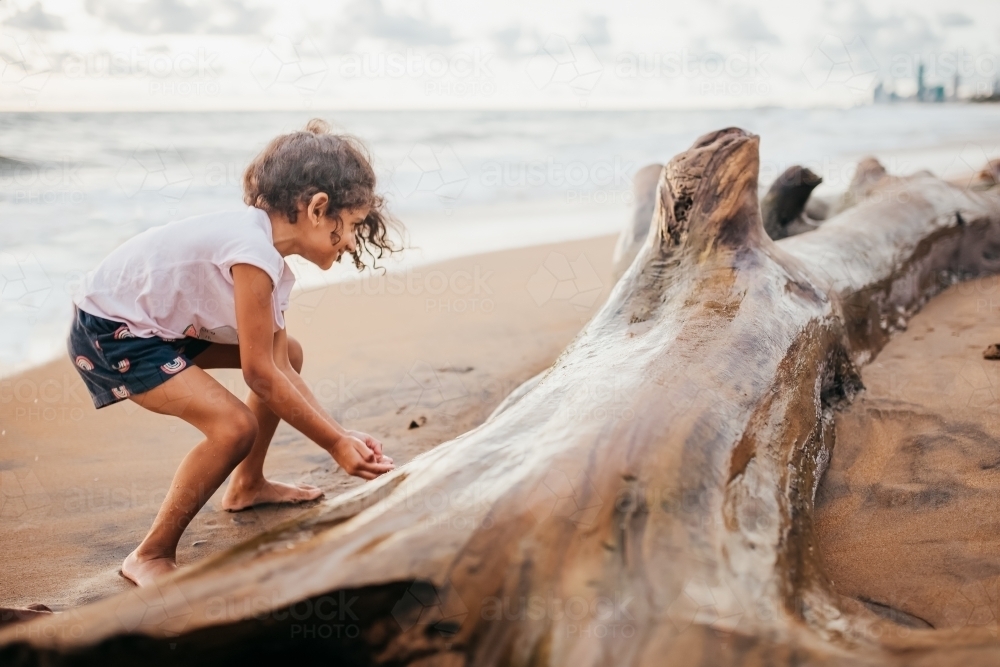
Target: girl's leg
(248,486)
(230,430)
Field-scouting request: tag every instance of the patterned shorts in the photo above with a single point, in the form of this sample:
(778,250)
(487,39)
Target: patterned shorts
(115,364)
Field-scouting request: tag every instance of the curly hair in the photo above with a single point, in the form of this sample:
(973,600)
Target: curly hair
(294,167)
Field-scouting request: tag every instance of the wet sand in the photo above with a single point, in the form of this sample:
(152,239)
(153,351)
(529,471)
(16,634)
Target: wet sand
(414,360)
(908,513)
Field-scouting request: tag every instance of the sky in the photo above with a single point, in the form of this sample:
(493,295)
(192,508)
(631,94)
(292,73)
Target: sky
(84,55)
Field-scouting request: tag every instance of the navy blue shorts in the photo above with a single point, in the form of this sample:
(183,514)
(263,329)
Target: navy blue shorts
(116,364)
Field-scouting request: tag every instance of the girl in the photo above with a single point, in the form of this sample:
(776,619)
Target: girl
(210,292)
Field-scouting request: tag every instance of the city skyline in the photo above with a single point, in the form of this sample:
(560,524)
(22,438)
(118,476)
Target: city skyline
(169,55)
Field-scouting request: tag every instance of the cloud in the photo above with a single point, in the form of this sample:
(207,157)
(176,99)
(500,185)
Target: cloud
(898,32)
(35,18)
(368,18)
(177,16)
(596,31)
(515,41)
(507,39)
(746,25)
(954,19)
(899,40)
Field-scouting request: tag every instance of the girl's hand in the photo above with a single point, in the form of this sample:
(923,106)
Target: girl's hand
(359,459)
(372,444)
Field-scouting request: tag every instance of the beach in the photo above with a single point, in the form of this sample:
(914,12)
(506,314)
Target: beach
(498,277)
(420,356)
(906,514)
(670,331)
(73,186)
(414,358)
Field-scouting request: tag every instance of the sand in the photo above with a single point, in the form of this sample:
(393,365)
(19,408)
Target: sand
(414,360)
(908,513)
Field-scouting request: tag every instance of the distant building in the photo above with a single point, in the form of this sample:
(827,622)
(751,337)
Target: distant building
(924,93)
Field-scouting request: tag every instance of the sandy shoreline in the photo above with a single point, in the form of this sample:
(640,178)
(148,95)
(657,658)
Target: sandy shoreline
(906,514)
(439,347)
(436,348)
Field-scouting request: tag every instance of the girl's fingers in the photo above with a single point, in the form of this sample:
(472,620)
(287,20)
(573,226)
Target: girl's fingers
(366,453)
(379,468)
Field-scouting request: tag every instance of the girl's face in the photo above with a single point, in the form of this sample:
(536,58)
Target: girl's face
(320,244)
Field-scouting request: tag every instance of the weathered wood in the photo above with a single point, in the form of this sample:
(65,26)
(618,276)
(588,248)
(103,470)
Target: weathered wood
(867,176)
(17,615)
(987,177)
(648,502)
(818,207)
(784,211)
(783,207)
(634,234)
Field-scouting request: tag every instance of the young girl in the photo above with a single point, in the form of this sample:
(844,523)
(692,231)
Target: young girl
(210,292)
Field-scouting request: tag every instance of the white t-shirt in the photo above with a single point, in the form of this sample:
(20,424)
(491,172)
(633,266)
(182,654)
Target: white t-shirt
(173,280)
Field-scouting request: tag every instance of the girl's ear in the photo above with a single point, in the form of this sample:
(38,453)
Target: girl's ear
(317,207)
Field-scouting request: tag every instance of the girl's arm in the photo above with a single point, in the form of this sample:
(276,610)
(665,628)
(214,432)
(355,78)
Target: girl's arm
(254,321)
(285,366)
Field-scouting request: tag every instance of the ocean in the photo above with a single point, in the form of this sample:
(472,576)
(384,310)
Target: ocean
(75,185)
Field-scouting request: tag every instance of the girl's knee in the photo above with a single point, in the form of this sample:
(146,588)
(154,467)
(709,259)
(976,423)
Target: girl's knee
(247,428)
(295,354)
(240,431)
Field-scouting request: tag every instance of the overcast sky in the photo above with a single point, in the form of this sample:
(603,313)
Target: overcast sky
(233,54)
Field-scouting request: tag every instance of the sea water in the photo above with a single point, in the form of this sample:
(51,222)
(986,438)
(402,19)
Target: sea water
(75,185)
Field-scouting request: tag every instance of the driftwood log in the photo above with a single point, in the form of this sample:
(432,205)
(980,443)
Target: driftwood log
(648,502)
(868,174)
(987,177)
(787,209)
(634,234)
(783,207)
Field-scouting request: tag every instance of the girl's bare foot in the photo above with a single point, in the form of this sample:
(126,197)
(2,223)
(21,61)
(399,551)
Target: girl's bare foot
(141,571)
(240,497)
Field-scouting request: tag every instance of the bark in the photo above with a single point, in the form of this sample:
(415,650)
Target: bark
(987,177)
(15,615)
(818,207)
(648,501)
(867,176)
(787,209)
(783,207)
(634,234)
